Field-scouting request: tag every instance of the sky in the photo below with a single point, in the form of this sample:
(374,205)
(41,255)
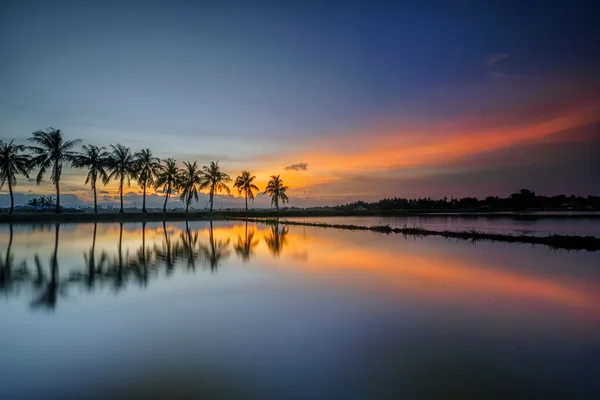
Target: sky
(354,100)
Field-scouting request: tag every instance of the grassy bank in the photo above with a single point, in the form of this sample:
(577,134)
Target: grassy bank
(563,242)
(37,217)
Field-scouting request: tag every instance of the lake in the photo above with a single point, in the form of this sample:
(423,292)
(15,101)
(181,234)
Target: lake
(243,310)
(542,226)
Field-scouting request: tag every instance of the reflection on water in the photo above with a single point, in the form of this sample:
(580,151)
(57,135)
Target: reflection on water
(277,311)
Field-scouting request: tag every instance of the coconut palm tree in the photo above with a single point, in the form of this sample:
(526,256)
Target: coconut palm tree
(276,190)
(35,202)
(42,201)
(50,201)
(51,152)
(167,179)
(122,166)
(12,163)
(189,181)
(147,168)
(93,158)
(244,184)
(214,180)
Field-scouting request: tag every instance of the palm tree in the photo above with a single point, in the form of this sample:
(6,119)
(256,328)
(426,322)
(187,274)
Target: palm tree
(167,179)
(147,168)
(12,163)
(276,190)
(189,182)
(50,201)
(122,166)
(243,183)
(35,202)
(52,151)
(215,180)
(42,201)
(93,158)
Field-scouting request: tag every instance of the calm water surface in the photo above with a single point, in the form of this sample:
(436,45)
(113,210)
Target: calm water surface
(253,311)
(540,227)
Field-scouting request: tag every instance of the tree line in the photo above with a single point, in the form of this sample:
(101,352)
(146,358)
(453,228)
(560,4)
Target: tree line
(524,199)
(51,152)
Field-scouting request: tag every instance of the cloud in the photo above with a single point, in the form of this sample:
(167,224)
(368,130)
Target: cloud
(302,166)
(495,58)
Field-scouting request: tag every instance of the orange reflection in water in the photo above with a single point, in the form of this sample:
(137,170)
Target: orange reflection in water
(357,259)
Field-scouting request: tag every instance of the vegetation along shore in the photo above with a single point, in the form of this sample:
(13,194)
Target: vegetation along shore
(562,242)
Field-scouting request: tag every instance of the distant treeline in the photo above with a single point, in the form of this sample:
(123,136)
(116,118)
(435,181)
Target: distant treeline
(522,200)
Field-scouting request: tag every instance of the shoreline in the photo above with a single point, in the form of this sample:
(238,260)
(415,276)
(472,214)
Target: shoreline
(557,242)
(563,242)
(41,217)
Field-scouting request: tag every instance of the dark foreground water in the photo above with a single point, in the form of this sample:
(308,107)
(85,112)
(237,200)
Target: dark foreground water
(205,310)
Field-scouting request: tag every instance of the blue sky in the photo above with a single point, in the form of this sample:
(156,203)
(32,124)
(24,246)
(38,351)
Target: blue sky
(260,86)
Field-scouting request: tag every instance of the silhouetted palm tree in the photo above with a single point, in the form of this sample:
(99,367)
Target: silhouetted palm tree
(12,163)
(147,168)
(35,202)
(122,166)
(244,184)
(50,201)
(167,179)
(277,238)
(189,182)
(276,190)
(245,246)
(42,201)
(214,180)
(95,159)
(51,152)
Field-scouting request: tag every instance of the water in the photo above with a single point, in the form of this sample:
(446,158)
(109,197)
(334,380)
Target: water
(533,227)
(228,309)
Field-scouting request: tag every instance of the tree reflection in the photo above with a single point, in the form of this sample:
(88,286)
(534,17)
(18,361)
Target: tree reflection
(115,271)
(119,269)
(165,253)
(216,251)
(93,269)
(9,274)
(50,287)
(276,238)
(186,248)
(245,246)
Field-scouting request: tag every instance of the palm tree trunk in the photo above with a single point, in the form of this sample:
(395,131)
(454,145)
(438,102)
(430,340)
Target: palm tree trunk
(57,197)
(144,199)
(95,201)
(121,191)
(277,204)
(212,191)
(187,204)
(246,201)
(167,197)
(12,197)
